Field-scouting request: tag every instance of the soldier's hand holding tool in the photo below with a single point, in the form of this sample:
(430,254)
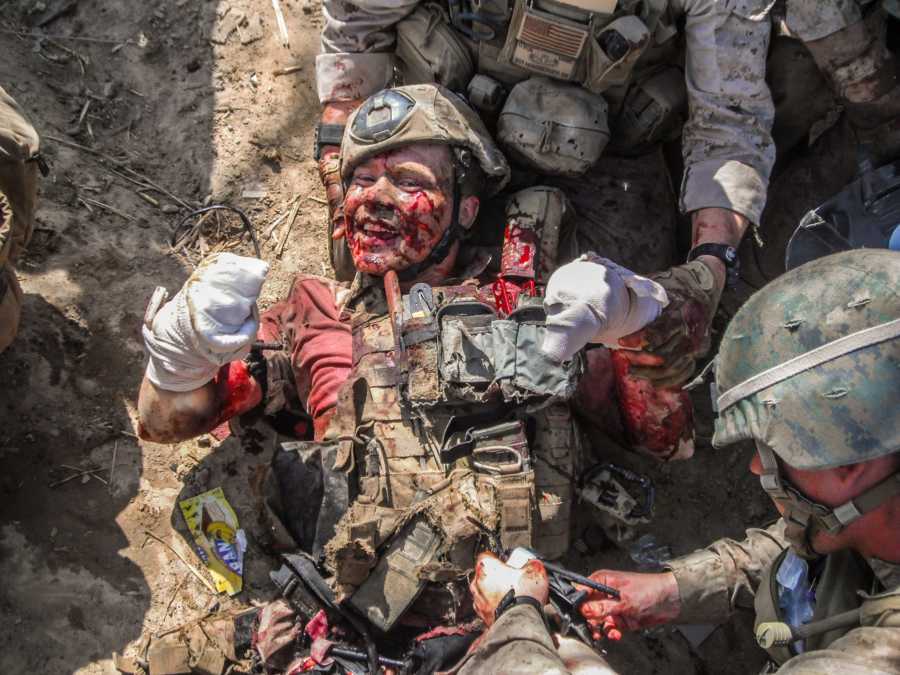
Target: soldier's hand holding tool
(493,579)
(645,600)
(211,321)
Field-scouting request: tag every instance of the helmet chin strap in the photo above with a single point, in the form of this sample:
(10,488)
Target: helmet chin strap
(805,518)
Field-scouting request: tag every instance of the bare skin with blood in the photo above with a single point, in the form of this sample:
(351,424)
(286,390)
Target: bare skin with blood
(398,207)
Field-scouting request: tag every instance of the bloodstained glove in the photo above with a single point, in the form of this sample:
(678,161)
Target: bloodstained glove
(211,321)
(670,346)
(594,300)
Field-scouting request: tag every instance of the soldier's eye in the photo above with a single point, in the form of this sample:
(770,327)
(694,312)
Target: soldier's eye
(363,179)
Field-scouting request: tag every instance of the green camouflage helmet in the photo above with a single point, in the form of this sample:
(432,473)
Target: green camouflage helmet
(810,365)
(420,113)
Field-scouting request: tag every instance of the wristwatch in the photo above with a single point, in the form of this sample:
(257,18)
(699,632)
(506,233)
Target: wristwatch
(727,254)
(327,134)
(512,600)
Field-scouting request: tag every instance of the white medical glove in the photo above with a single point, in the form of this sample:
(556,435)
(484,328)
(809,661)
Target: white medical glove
(594,300)
(211,321)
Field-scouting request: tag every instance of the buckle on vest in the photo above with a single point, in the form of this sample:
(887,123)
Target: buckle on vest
(771,483)
(842,516)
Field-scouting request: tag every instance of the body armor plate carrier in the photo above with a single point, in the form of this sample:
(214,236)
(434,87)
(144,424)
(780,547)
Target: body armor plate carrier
(451,422)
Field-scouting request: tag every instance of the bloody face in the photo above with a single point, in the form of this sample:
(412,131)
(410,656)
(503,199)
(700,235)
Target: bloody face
(398,206)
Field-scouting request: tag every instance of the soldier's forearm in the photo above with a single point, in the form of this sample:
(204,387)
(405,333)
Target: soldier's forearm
(717,226)
(171,416)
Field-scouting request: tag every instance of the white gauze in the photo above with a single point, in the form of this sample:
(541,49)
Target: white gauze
(594,300)
(211,321)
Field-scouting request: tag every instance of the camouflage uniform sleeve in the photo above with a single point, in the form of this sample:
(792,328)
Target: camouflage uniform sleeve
(868,650)
(809,20)
(727,143)
(724,576)
(518,642)
(357,47)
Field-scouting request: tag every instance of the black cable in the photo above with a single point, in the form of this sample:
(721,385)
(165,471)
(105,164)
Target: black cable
(218,207)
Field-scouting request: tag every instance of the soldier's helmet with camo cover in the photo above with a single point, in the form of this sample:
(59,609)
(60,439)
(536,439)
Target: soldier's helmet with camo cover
(421,113)
(810,365)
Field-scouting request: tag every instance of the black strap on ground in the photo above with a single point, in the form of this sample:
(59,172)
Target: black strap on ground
(217,207)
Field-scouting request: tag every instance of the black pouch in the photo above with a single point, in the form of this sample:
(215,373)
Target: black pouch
(313,492)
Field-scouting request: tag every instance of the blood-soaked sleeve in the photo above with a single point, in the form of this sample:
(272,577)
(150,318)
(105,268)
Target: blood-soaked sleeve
(308,323)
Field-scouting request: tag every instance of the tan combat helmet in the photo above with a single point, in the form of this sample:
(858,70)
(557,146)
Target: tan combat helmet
(420,113)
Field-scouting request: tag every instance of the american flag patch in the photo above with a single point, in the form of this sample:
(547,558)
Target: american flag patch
(553,36)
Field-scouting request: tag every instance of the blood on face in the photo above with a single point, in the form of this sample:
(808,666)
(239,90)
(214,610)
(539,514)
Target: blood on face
(398,206)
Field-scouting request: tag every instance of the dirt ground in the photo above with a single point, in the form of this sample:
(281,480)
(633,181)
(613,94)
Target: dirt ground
(163,93)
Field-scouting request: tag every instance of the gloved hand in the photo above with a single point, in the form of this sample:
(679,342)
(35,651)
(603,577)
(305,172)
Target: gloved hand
(645,600)
(670,345)
(275,634)
(594,300)
(493,579)
(330,175)
(211,321)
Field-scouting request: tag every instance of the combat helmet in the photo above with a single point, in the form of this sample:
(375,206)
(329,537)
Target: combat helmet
(420,113)
(809,368)
(426,113)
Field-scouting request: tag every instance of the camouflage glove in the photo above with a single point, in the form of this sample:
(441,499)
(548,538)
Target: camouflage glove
(339,253)
(670,345)
(330,175)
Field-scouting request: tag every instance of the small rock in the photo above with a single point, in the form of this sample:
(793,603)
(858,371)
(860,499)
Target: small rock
(109,90)
(170,209)
(87,386)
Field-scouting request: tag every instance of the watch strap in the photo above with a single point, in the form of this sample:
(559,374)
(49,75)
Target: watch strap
(724,252)
(512,600)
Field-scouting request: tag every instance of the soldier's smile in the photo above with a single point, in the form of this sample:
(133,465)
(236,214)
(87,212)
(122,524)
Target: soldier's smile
(397,209)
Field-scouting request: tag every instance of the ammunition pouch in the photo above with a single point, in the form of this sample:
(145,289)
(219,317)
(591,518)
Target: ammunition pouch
(383,558)
(467,355)
(597,51)
(654,110)
(429,50)
(614,52)
(314,491)
(553,127)
(521,369)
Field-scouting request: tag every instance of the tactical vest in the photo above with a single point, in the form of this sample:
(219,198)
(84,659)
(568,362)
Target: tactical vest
(624,50)
(454,430)
(847,582)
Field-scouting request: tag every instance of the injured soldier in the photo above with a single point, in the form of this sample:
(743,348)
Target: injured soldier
(433,410)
